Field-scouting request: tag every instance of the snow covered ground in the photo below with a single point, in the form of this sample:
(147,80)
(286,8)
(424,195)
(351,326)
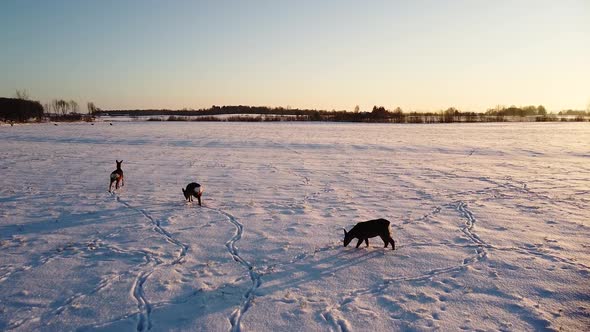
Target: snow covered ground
(491,223)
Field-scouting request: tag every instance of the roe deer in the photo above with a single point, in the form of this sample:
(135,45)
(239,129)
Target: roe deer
(117,176)
(193,189)
(364,230)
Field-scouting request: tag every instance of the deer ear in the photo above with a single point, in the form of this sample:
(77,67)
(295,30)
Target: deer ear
(121,161)
(344,231)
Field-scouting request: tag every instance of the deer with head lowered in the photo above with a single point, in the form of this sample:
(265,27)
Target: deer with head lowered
(117,176)
(364,230)
(193,189)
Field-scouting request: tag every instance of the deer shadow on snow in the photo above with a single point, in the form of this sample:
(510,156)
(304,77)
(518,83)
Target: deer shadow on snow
(310,269)
(64,222)
(209,308)
(196,306)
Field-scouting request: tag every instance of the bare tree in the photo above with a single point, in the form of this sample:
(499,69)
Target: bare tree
(47,108)
(91,108)
(398,115)
(22,94)
(60,106)
(56,106)
(73,106)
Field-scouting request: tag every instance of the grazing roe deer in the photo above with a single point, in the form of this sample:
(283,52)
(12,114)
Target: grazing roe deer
(364,230)
(193,189)
(117,176)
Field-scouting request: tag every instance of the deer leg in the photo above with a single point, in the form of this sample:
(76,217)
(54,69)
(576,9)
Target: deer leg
(359,243)
(385,240)
(199,198)
(392,243)
(367,241)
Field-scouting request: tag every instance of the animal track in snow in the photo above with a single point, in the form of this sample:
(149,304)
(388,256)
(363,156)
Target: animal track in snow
(159,229)
(144,307)
(469,222)
(236,316)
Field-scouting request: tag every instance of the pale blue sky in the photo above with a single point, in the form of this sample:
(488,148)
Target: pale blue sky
(419,55)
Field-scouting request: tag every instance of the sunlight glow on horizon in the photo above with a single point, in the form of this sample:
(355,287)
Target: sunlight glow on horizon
(421,55)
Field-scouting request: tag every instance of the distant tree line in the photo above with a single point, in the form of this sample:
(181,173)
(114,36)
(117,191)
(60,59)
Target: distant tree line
(378,114)
(213,110)
(517,111)
(68,110)
(573,112)
(21,109)
(576,115)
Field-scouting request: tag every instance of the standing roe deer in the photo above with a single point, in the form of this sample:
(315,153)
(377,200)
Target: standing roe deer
(117,176)
(364,230)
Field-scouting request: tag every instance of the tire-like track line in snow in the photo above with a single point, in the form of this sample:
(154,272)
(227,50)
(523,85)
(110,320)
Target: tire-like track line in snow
(236,316)
(143,305)
(145,308)
(158,228)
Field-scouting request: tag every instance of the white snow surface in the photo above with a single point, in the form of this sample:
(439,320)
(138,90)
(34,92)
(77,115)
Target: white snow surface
(491,224)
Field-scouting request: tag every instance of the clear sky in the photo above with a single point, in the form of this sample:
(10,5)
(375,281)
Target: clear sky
(324,54)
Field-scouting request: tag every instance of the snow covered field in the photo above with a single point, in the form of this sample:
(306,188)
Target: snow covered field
(491,223)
